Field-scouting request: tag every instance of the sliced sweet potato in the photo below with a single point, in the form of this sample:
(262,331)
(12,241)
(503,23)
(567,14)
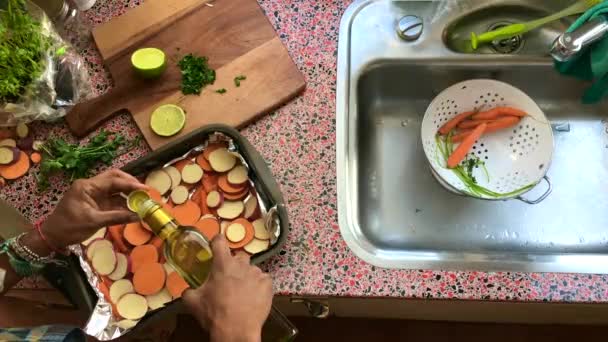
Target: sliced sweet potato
(192,173)
(187,214)
(235,232)
(251,204)
(230,209)
(8,142)
(104,260)
(212,147)
(236,196)
(176,285)
(136,234)
(222,160)
(179,165)
(99,234)
(149,278)
(256,246)
(203,163)
(260,230)
(159,180)
(175,175)
(122,267)
(238,175)
(17,168)
(210,181)
(132,306)
(8,155)
(120,288)
(116,235)
(158,300)
(95,245)
(141,255)
(214,199)
(228,188)
(209,227)
(179,194)
(249,233)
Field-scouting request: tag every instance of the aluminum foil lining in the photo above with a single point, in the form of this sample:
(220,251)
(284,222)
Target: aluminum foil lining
(102,324)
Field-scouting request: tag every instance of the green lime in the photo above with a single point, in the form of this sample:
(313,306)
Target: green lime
(149,62)
(135,199)
(167,120)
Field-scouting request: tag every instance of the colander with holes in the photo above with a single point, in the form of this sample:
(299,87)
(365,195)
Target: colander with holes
(501,165)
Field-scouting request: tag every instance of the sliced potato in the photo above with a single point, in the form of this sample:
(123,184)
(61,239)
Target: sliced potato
(214,199)
(132,306)
(230,209)
(159,180)
(260,230)
(251,204)
(179,195)
(256,246)
(104,260)
(192,173)
(122,267)
(175,175)
(238,175)
(95,245)
(126,323)
(120,288)
(100,234)
(22,130)
(8,142)
(158,300)
(235,232)
(208,216)
(8,155)
(222,160)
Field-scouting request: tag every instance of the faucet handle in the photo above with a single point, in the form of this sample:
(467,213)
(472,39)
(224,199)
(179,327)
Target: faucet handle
(569,44)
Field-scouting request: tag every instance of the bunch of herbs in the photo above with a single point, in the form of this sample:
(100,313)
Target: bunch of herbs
(196,74)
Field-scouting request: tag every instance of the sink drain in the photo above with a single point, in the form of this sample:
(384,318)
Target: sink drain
(506,46)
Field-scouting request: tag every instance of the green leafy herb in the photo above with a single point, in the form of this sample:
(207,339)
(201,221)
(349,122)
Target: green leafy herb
(22,46)
(221,91)
(238,79)
(196,74)
(76,161)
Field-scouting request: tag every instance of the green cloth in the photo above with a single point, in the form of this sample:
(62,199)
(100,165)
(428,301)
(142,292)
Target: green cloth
(592,64)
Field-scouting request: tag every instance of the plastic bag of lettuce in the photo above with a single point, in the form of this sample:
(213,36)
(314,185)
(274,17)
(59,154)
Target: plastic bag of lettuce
(41,76)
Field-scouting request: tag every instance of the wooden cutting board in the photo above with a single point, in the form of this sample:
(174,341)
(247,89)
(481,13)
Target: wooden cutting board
(235,35)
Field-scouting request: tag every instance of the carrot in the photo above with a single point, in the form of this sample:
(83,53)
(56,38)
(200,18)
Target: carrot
(210,181)
(187,213)
(176,285)
(36,157)
(472,123)
(155,195)
(135,234)
(209,227)
(461,151)
(16,169)
(237,196)
(452,123)
(203,163)
(149,278)
(116,233)
(212,147)
(179,165)
(499,111)
(226,187)
(143,254)
(249,234)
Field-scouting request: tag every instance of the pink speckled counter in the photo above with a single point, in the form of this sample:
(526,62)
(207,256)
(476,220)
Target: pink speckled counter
(297,141)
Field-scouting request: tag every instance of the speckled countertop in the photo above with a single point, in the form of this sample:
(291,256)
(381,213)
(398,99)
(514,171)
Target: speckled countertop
(297,141)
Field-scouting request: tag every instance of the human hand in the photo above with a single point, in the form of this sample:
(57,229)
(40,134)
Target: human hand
(235,300)
(88,205)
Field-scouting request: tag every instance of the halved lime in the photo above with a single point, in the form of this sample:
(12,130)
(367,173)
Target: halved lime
(167,120)
(149,62)
(135,199)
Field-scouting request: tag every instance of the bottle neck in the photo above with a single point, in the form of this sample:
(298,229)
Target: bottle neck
(169,231)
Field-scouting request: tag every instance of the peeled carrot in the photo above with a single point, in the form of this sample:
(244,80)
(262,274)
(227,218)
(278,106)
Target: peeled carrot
(36,157)
(187,213)
(116,233)
(249,234)
(461,151)
(472,123)
(135,234)
(458,137)
(493,126)
(16,169)
(450,125)
(144,254)
(203,163)
(210,181)
(209,227)
(149,278)
(499,111)
(176,285)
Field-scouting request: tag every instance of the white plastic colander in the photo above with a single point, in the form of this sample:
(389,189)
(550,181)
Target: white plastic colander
(516,159)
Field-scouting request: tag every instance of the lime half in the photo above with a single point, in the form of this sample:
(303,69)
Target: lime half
(149,62)
(167,120)
(135,199)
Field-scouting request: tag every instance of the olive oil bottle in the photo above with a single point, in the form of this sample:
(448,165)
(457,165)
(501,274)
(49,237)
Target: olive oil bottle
(189,252)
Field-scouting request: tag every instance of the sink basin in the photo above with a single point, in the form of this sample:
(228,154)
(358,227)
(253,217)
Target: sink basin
(394,214)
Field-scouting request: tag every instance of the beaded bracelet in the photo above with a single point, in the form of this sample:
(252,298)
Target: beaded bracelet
(21,267)
(25,253)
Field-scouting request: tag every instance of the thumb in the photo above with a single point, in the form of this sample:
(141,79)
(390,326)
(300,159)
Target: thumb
(113,217)
(192,301)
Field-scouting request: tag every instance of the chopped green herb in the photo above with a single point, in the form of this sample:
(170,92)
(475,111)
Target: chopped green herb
(221,91)
(196,74)
(22,46)
(238,79)
(76,161)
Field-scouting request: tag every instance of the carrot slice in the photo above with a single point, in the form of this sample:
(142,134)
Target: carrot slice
(210,181)
(179,165)
(176,285)
(36,157)
(16,169)
(461,151)
(226,187)
(209,227)
(149,278)
(135,234)
(158,243)
(249,234)
(116,233)
(452,123)
(212,147)
(237,196)
(494,113)
(144,254)
(187,213)
(155,195)
(203,163)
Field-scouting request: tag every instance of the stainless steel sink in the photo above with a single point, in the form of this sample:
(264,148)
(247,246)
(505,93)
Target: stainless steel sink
(392,212)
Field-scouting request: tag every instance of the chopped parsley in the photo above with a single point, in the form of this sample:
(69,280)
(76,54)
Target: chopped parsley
(238,79)
(221,91)
(196,74)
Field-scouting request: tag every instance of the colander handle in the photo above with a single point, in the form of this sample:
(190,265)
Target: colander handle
(542,197)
